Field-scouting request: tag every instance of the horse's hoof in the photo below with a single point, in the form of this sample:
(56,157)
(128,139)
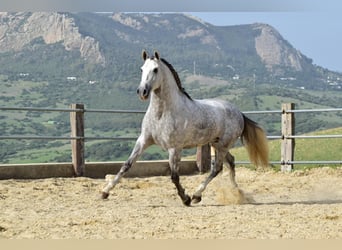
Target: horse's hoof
(196,199)
(105,195)
(187,201)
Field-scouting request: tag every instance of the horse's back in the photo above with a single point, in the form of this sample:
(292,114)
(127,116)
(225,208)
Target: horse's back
(223,110)
(228,119)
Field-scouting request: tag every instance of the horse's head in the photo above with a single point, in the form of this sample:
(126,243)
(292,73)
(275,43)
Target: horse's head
(150,77)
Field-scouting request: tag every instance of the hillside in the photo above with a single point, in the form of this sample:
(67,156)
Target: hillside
(50,59)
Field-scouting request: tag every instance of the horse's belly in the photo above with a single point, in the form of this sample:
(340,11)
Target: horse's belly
(194,137)
(179,138)
(199,138)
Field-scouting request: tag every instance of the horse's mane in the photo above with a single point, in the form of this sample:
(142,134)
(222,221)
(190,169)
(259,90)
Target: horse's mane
(175,75)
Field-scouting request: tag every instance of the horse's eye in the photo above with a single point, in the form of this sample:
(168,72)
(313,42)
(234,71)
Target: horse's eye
(155,70)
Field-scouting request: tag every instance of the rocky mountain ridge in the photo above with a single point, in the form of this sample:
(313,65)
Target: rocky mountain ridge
(93,44)
(20,29)
(274,51)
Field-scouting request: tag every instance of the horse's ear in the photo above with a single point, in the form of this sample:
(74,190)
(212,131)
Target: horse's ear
(156,55)
(144,55)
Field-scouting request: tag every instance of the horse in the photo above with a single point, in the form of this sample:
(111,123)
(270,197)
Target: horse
(175,121)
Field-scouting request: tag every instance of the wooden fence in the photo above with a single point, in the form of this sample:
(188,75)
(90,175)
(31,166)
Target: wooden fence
(204,154)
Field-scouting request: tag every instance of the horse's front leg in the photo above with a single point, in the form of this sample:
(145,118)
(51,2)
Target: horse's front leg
(174,159)
(140,145)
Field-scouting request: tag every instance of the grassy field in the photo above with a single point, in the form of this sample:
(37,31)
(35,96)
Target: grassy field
(305,149)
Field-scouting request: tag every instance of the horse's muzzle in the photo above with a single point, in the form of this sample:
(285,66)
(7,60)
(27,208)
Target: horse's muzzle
(143,92)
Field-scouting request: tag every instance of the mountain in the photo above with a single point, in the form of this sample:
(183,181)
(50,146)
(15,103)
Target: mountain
(107,47)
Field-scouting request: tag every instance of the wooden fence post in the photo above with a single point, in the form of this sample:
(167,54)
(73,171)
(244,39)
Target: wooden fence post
(77,145)
(287,144)
(203,158)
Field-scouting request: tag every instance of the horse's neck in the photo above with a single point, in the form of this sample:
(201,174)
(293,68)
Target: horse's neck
(168,98)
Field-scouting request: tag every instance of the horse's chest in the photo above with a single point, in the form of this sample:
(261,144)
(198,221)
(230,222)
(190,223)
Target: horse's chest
(168,132)
(163,128)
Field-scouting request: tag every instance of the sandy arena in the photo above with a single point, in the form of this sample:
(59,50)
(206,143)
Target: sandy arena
(298,205)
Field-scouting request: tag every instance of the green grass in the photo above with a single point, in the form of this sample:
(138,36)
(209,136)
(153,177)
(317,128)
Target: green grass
(305,149)
(38,155)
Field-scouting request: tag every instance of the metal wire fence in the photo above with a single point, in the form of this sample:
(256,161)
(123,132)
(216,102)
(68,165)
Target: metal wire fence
(116,138)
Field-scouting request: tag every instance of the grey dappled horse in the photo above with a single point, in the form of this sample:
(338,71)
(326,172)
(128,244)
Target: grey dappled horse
(175,121)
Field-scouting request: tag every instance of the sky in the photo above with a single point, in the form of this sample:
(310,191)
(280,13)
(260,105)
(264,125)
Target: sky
(314,27)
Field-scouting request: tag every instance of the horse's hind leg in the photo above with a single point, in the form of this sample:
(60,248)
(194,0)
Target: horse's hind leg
(174,159)
(215,169)
(233,195)
(231,164)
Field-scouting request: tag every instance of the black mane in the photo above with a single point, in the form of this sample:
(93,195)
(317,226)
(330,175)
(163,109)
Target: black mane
(175,75)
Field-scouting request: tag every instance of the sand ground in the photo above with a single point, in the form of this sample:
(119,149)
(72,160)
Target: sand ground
(298,205)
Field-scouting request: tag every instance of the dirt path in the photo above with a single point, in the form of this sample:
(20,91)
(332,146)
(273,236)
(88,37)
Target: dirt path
(299,205)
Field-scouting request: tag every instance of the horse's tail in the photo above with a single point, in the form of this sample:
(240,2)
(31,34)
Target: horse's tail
(254,139)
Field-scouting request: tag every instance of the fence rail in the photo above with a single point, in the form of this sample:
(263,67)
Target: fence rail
(77,137)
